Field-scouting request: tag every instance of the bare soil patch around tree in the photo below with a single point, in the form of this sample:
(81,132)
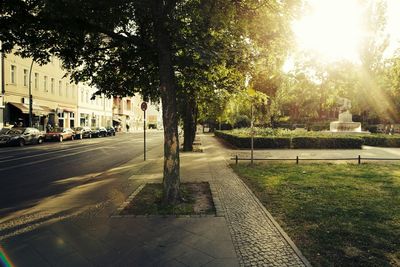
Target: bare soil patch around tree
(196,199)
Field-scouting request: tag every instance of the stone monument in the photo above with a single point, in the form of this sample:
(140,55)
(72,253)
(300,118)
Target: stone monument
(345,124)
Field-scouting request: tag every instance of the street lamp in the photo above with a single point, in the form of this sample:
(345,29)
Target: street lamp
(30,95)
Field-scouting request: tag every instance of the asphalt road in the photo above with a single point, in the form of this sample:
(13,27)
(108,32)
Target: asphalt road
(31,173)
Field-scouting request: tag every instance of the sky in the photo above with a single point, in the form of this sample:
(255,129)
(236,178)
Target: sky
(333,28)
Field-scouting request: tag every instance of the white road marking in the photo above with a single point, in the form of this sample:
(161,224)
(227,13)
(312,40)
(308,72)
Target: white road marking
(44,160)
(38,155)
(9,159)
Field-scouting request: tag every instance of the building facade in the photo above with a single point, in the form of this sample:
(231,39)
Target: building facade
(128,116)
(93,110)
(59,103)
(2,86)
(54,97)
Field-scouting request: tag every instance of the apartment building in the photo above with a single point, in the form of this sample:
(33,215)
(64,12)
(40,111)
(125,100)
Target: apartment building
(2,87)
(122,113)
(154,116)
(58,102)
(128,116)
(54,97)
(93,110)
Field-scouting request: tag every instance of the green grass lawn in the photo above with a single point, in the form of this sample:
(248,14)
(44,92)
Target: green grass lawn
(337,214)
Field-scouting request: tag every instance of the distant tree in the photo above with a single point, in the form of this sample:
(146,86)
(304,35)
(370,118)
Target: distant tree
(372,96)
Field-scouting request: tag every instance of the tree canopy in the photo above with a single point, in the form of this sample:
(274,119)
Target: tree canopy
(157,48)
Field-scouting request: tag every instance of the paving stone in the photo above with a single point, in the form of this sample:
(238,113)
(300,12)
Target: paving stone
(195,258)
(73,259)
(257,241)
(52,247)
(171,263)
(26,256)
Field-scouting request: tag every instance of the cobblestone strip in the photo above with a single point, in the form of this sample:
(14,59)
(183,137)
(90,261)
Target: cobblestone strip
(258,239)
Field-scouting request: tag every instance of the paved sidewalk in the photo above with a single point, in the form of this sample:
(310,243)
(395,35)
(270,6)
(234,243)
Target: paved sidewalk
(258,239)
(242,234)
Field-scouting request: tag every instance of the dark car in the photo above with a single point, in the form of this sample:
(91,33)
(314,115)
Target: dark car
(60,134)
(82,132)
(99,132)
(21,136)
(110,131)
(4,130)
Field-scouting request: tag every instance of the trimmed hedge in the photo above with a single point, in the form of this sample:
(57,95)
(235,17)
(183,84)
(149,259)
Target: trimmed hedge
(316,142)
(259,142)
(327,142)
(381,140)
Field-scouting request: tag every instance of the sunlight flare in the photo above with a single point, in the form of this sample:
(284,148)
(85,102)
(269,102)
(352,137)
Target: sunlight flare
(332,29)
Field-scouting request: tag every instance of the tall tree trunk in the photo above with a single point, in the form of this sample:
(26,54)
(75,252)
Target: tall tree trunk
(188,123)
(171,179)
(195,114)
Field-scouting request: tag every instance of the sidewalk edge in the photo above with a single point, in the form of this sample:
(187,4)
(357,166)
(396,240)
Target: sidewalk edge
(274,222)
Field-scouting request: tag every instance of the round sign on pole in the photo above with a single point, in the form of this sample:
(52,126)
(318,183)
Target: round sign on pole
(143,106)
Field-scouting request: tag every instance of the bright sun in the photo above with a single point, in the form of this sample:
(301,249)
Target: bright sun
(333,29)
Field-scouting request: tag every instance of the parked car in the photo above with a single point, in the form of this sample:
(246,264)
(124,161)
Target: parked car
(110,131)
(4,130)
(82,132)
(21,136)
(99,132)
(60,134)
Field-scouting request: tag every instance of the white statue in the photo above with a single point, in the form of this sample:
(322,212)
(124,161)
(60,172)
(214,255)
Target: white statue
(345,104)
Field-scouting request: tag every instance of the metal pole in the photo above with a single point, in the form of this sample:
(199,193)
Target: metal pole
(30,95)
(144,135)
(3,84)
(252,133)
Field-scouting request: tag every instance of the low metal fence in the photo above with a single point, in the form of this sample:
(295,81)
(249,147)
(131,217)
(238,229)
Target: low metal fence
(297,159)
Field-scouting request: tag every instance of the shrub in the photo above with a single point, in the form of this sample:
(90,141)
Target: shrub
(272,142)
(259,142)
(372,128)
(282,138)
(382,140)
(326,142)
(318,126)
(242,121)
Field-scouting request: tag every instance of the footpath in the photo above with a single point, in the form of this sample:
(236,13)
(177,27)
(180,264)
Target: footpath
(243,233)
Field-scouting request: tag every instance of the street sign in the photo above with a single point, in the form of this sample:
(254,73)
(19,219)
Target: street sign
(143,106)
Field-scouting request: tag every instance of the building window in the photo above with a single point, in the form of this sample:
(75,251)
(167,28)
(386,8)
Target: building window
(82,96)
(45,83)
(36,81)
(66,89)
(84,119)
(60,88)
(87,97)
(61,118)
(52,85)
(13,73)
(25,77)
(71,119)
